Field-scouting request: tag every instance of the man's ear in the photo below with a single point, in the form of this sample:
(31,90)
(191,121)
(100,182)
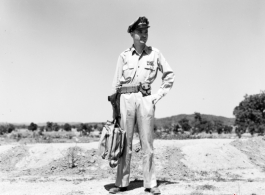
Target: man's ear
(132,34)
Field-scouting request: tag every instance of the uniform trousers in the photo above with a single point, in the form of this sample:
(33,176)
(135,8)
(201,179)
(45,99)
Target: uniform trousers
(137,110)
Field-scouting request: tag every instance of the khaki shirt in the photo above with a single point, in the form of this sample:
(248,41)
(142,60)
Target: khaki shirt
(133,68)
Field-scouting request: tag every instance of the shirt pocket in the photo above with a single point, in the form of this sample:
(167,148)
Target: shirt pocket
(150,67)
(127,70)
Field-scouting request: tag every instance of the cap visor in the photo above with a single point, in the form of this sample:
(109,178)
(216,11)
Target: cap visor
(142,27)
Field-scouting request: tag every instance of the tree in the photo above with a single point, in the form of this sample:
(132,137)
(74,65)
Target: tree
(218,126)
(201,124)
(227,129)
(2,130)
(49,126)
(10,128)
(55,127)
(185,124)
(175,128)
(67,127)
(205,125)
(85,129)
(6,128)
(250,113)
(88,129)
(33,127)
(240,130)
(82,128)
(251,128)
(197,117)
(261,130)
(197,122)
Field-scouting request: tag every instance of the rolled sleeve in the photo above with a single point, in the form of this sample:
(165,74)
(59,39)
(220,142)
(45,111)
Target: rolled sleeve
(167,77)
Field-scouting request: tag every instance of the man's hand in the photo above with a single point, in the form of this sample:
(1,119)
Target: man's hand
(155,98)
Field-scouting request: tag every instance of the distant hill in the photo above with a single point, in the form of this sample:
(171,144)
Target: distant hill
(159,122)
(168,121)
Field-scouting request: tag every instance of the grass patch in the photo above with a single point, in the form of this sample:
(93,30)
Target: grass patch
(26,136)
(61,136)
(206,187)
(188,135)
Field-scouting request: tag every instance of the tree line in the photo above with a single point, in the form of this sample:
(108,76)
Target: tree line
(249,117)
(83,128)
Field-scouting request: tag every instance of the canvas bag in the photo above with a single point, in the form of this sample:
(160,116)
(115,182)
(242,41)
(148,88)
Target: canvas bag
(111,143)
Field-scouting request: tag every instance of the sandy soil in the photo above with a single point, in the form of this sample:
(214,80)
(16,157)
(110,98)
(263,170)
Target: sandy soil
(196,167)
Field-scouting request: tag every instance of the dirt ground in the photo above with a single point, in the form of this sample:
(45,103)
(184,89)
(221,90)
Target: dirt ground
(196,167)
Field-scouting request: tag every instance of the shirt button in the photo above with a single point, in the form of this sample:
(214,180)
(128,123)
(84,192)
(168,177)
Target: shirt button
(138,66)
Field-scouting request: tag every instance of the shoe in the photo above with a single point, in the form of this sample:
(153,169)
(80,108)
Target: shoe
(116,190)
(154,190)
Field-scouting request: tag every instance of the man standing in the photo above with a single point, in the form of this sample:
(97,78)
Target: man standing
(136,70)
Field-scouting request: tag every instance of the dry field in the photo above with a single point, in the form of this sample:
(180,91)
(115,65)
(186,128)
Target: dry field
(196,167)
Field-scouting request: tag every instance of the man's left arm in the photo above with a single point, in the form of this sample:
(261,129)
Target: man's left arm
(167,78)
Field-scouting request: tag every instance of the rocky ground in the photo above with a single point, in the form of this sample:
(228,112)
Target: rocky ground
(196,167)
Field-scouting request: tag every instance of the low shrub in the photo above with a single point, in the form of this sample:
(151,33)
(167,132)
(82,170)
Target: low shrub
(59,134)
(169,136)
(19,134)
(51,134)
(188,135)
(6,128)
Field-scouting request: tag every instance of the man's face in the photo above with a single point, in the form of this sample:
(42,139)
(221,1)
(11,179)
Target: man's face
(140,35)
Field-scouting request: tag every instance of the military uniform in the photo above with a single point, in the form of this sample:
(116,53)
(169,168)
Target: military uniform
(138,108)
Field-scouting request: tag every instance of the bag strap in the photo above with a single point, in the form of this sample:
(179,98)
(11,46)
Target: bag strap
(116,122)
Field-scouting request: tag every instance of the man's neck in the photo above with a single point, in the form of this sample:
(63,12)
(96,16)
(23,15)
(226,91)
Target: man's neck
(139,48)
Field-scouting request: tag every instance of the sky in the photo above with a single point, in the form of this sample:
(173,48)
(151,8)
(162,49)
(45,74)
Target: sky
(58,57)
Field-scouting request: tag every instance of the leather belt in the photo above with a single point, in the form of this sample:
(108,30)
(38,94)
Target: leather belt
(129,89)
(145,89)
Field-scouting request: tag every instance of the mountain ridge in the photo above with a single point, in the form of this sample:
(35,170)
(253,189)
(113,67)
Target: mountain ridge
(168,121)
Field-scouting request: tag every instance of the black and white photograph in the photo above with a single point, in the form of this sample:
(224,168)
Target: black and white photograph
(132,97)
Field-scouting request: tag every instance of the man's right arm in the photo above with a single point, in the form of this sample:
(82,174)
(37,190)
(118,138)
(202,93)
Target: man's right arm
(117,75)
(114,97)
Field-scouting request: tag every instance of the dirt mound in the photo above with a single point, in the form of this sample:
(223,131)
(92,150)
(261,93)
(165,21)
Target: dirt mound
(214,157)
(23,160)
(55,160)
(173,169)
(75,161)
(175,160)
(203,166)
(10,158)
(254,148)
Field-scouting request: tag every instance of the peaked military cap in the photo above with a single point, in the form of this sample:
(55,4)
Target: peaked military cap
(142,22)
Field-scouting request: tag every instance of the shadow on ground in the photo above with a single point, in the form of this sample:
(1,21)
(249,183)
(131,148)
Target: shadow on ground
(139,184)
